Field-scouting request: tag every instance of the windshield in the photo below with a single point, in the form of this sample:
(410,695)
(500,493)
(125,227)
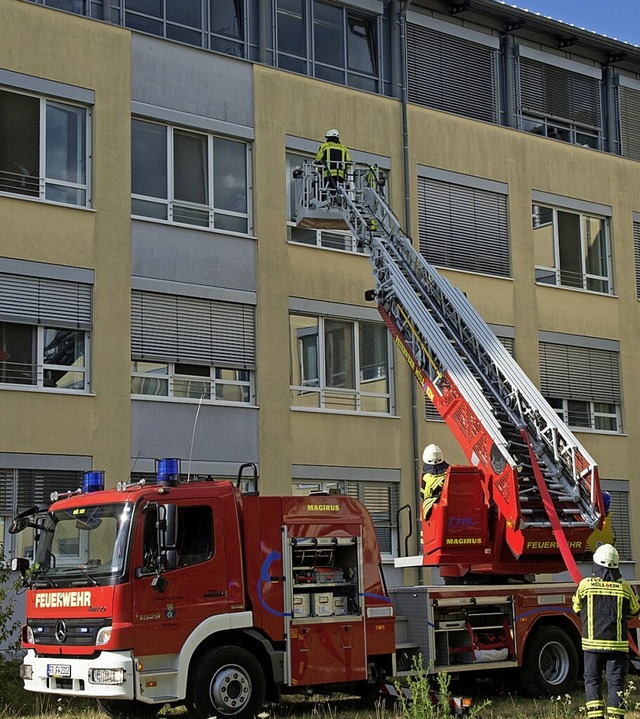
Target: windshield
(86,541)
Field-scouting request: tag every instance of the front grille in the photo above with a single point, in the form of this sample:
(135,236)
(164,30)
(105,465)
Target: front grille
(77,632)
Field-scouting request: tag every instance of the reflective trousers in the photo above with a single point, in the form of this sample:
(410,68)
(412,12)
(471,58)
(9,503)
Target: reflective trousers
(615,666)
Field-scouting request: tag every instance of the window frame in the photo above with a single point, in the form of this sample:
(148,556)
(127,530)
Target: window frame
(173,205)
(556,272)
(39,367)
(343,73)
(327,395)
(173,377)
(44,182)
(579,374)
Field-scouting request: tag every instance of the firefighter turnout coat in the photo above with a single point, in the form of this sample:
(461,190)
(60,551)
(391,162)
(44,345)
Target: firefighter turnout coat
(604,606)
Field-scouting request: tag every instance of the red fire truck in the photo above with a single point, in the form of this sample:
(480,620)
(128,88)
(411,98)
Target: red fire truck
(197,593)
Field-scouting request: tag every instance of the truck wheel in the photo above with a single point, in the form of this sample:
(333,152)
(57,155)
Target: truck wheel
(228,682)
(128,709)
(550,664)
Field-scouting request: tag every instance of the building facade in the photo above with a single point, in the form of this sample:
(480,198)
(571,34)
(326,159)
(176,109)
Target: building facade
(157,299)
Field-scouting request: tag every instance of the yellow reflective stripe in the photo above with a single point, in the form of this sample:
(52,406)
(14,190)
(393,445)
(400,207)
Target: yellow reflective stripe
(595,709)
(610,645)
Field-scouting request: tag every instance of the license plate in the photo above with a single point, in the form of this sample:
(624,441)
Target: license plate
(58,670)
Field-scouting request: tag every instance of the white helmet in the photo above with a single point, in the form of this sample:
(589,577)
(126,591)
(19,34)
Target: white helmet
(332,133)
(606,555)
(432,454)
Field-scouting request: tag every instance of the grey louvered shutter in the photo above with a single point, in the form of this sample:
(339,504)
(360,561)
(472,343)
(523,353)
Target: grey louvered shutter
(452,74)
(464,228)
(619,517)
(629,116)
(580,373)
(555,92)
(173,328)
(381,499)
(45,301)
(636,250)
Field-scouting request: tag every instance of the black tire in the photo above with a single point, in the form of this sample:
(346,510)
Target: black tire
(128,709)
(551,663)
(227,682)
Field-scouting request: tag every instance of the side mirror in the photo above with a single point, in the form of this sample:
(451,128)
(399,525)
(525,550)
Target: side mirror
(20,564)
(18,524)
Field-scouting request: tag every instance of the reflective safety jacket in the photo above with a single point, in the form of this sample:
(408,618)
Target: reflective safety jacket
(604,607)
(334,156)
(432,482)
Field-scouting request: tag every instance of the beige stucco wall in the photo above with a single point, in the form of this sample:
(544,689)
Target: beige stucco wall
(57,46)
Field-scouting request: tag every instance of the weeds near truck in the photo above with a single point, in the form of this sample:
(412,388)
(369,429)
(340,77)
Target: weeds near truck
(427,702)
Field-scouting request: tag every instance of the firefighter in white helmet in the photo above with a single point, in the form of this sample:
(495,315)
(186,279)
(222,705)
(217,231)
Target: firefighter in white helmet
(334,158)
(605,601)
(434,471)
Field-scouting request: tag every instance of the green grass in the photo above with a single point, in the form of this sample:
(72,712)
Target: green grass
(492,700)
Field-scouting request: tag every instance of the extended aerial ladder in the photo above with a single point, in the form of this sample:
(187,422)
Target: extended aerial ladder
(532,487)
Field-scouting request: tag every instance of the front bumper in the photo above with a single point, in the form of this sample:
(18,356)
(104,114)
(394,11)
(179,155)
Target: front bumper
(77,682)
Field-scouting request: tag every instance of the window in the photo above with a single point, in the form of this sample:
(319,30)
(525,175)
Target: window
(453,74)
(194,537)
(44,149)
(191,381)
(463,226)
(339,365)
(380,498)
(226,24)
(572,249)
(21,489)
(192,348)
(44,337)
(582,382)
(344,42)
(328,239)
(189,178)
(559,102)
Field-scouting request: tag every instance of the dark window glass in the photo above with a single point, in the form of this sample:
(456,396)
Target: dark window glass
(17,353)
(19,143)
(291,27)
(190,171)
(328,34)
(185,12)
(148,7)
(148,159)
(226,18)
(360,45)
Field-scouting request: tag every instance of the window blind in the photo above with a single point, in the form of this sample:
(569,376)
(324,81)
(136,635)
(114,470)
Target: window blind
(636,250)
(24,488)
(556,92)
(453,74)
(629,118)
(579,373)
(464,228)
(45,301)
(175,328)
(619,517)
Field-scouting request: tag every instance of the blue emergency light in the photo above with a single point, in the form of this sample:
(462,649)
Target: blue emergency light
(168,471)
(92,482)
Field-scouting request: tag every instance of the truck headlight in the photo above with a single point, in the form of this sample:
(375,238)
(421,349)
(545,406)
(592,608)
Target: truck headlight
(104,636)
(106,676)
(27,635)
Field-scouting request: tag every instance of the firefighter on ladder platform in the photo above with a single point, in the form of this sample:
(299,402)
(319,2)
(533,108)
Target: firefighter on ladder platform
(605,602)
(334,158)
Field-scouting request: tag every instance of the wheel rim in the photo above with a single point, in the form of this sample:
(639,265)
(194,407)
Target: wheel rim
(554,663)
(230,689)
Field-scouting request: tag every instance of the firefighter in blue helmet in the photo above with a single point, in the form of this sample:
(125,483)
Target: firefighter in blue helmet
(605,601)
(334,158)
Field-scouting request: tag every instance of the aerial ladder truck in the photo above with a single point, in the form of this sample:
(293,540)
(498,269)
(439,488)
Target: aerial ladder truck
(531,495)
